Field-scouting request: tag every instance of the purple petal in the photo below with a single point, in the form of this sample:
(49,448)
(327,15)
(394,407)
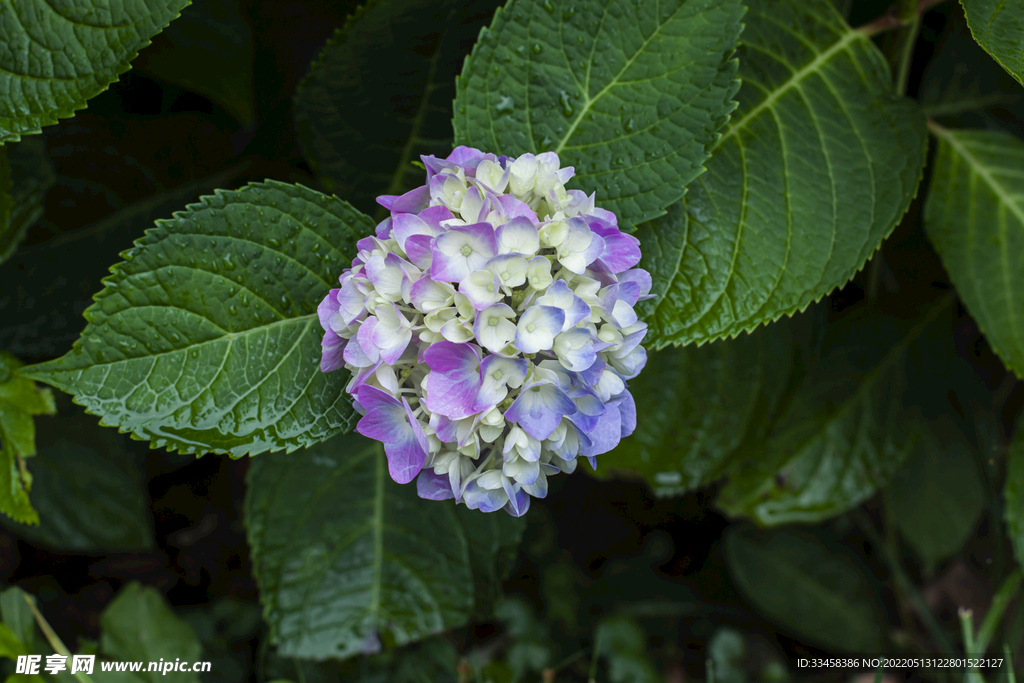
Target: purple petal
(407,225)
(518,502)
(450,263)
(513,208)
(419,250)
(332,352)
(383,229)
(412,201)
(478,498)
(627,412)
(432,486)
(328,307)
(392,422)
(642,279)
(454,379)
(606,434)
(539,408)
(435,215)
(509,371)
(621,252)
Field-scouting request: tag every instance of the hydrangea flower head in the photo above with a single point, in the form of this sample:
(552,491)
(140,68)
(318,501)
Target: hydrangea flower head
(489,329)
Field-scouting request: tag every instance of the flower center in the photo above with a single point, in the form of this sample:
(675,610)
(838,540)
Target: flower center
(496,374)
(531,327)
(467,250)
(492,321)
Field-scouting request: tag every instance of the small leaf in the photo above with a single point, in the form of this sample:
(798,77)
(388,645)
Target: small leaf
(822,596)
(629,93)
(998,26)
(361,120)
(139,625)
(58,57)
(815,168)
(974,216)
(937,498)
(17,616)
(10,645)
(348,561)
(208,33)
(88,490)
(31,176)
(20,400)
(206,337)
(843,434)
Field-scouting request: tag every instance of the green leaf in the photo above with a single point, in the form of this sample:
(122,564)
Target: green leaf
(699,403)
(139,625)
(1014,493)
(206,337)
(812,172)
(974,215)
(88,490)
(629,93)
(17,616)
(797,582)
(937,498)
(844,433)
(31,176)
(209,50)
(345,558)
(20,400)
(998,26)
(55,58)
(361,119)
(10,645)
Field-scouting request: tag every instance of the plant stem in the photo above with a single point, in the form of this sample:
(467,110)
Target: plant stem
(891,19)
(592,674)
(903,582)
(53,638)
(907,54)
(995,614)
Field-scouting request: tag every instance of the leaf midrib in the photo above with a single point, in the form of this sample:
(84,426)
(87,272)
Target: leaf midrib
(31,371)
(614,81)
(794,80)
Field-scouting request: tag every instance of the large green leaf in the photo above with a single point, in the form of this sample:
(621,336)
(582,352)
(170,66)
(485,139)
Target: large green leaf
(347,559)
(20,400)
(361,120)
(88,490)
(845,432)
(814,169)
(998,26)
(938,496)
(974,216)
(31,176)
(206,337)
(208,50)
(55,57)
(802,585)
(139,625)
(629,93)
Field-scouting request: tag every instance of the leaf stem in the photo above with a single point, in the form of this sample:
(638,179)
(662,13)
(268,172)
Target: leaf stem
(53,638)
(901,579)
(592,674)
(907,54)
(996,611)
(892,20)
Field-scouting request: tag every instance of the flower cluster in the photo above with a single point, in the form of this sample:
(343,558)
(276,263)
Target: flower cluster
(489,347)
